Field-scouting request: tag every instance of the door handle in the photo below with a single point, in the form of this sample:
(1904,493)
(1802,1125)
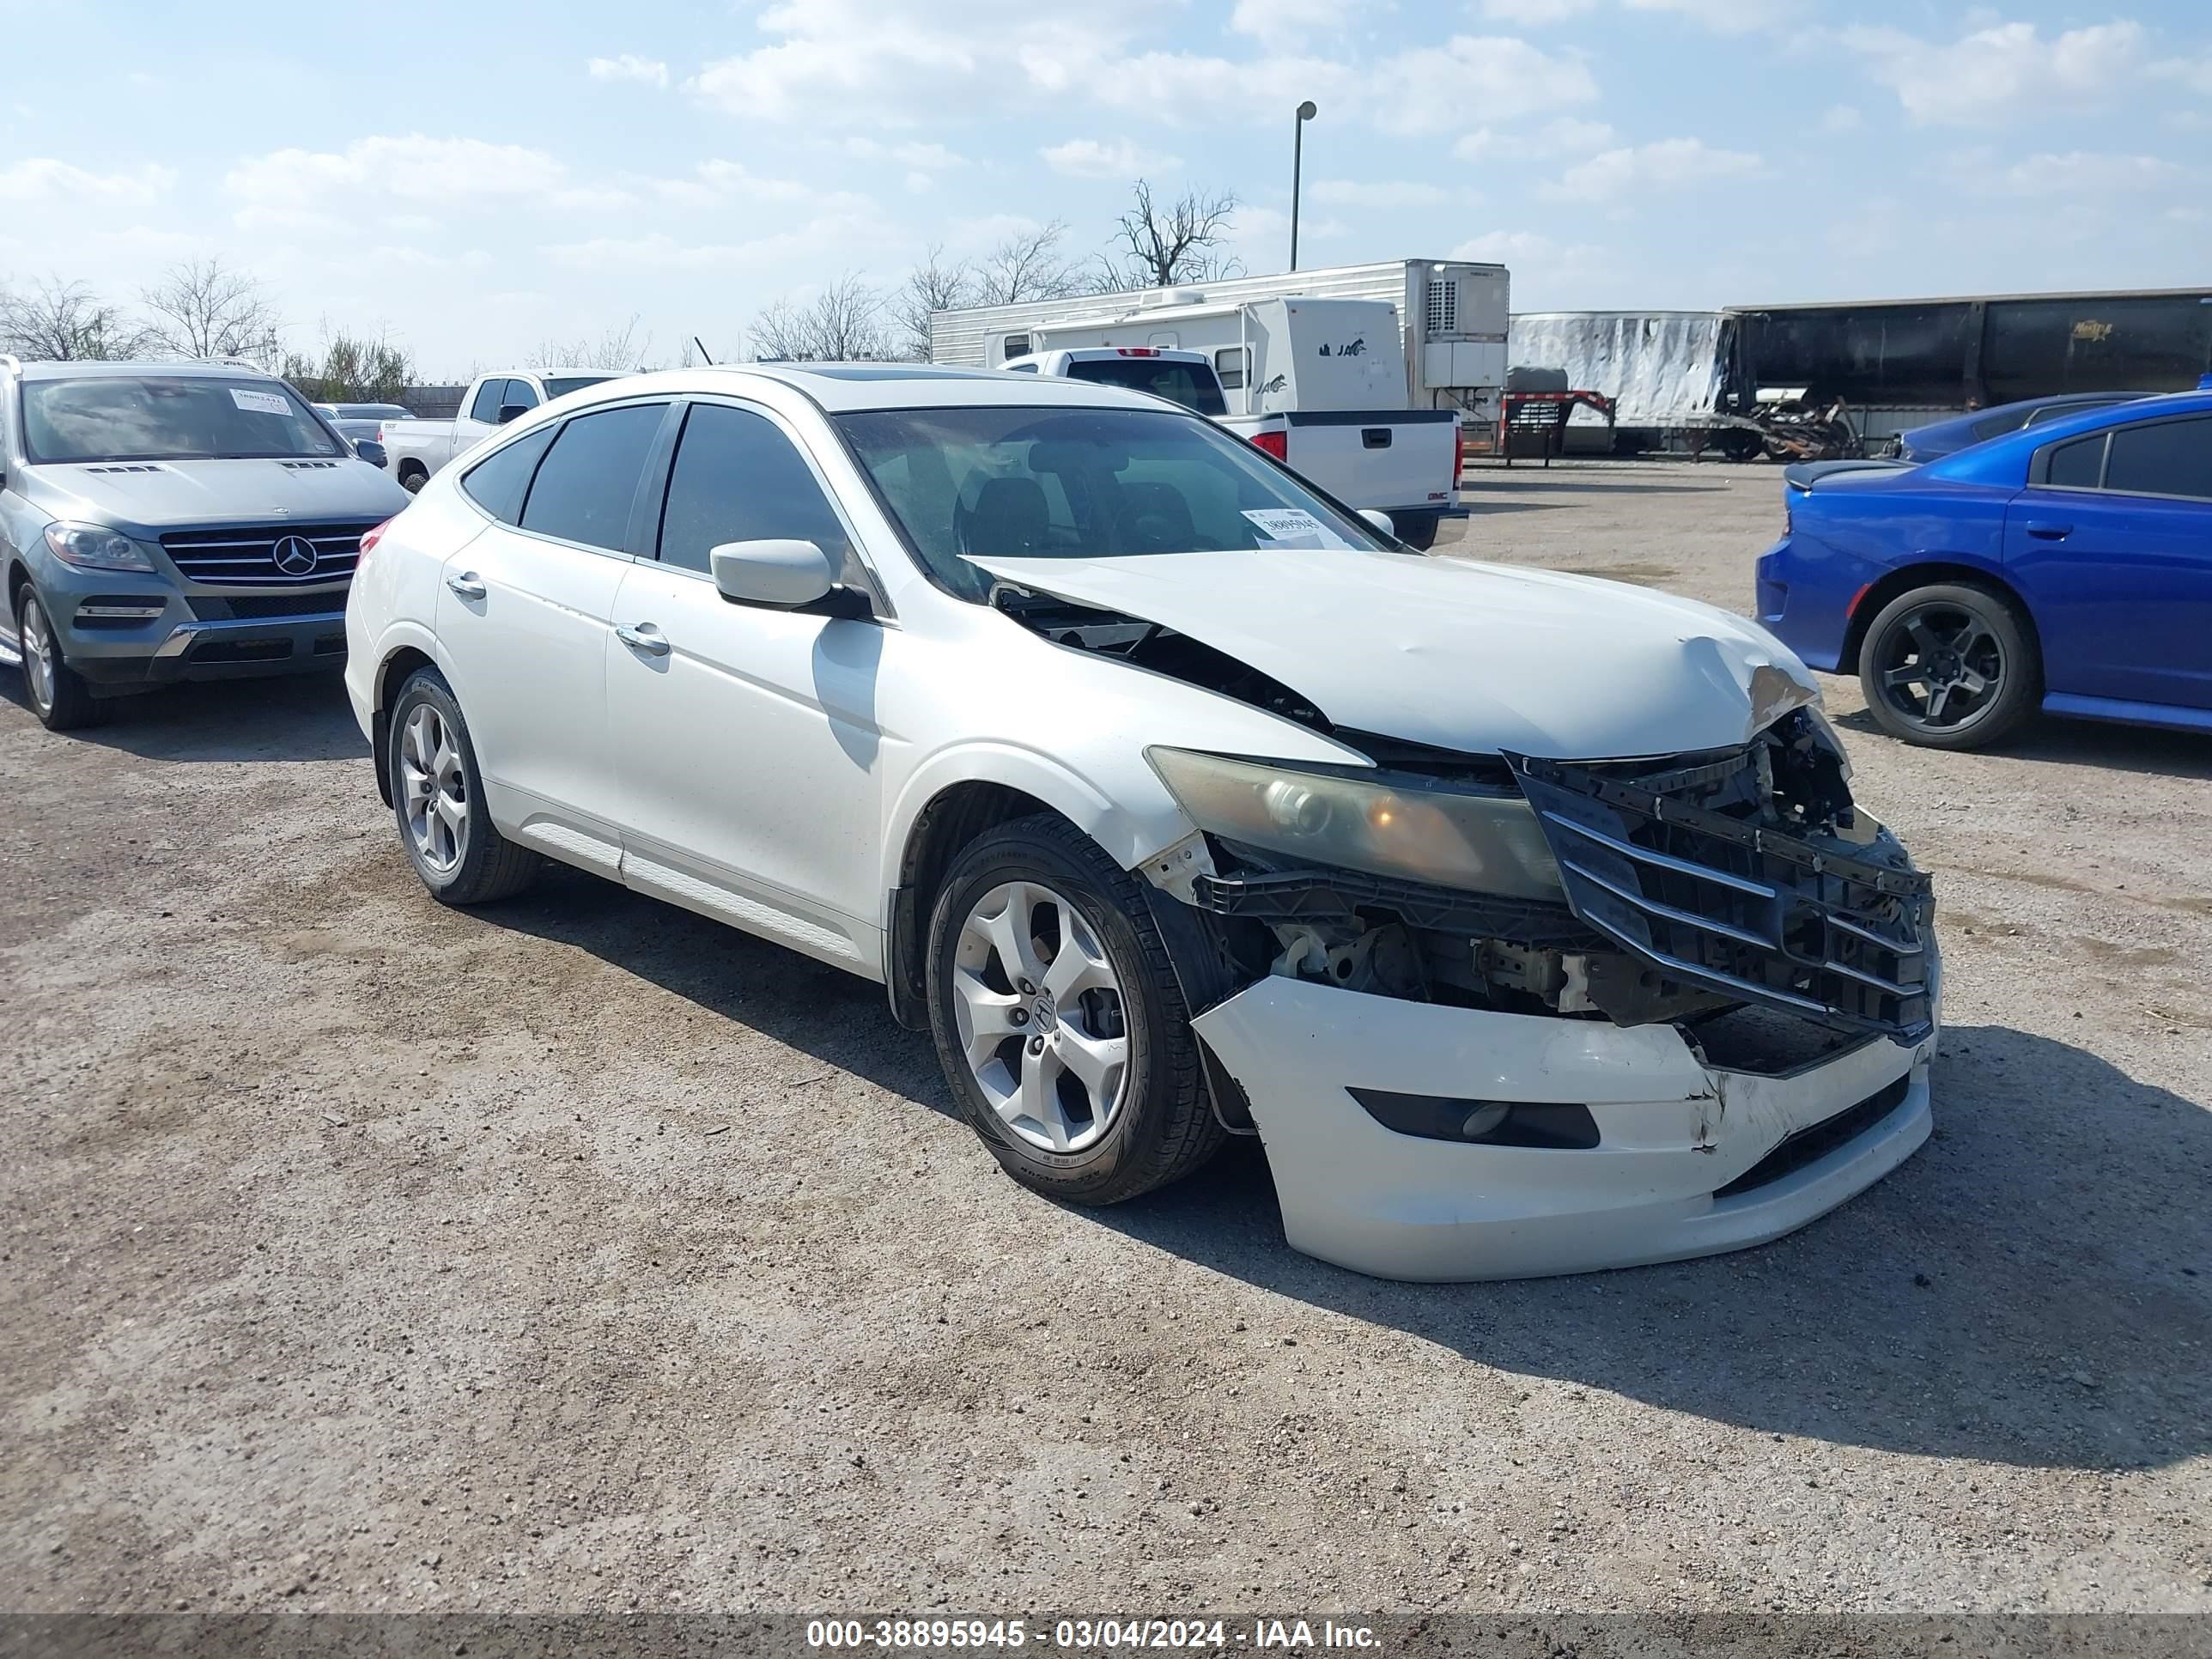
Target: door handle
(466,585)
(644,637)
(2045,529)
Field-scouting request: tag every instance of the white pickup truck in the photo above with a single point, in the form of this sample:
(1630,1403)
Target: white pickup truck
(418,448)
(1403,462)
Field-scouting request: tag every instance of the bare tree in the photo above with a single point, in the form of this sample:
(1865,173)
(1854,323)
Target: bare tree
(1162,245)
(616,348)
(933,285)
(204,308)
(355,369)
(1027,265)
(61,322)
(844,323)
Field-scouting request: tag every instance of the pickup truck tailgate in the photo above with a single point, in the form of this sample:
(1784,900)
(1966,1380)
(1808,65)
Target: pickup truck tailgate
(1398,460)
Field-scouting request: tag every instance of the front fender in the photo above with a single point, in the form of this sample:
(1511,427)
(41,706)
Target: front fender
(1131,814)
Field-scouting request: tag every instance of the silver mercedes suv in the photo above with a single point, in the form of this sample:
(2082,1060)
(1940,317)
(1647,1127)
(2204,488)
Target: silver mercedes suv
(171,521)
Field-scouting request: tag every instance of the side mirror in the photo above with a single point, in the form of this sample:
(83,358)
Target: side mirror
(782,574)
(1380,520)
(509,411)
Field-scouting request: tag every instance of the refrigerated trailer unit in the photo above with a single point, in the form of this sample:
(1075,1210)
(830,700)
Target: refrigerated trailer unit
(1451,322)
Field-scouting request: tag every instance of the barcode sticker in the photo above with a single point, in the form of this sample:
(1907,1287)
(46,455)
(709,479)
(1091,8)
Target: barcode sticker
(261,402)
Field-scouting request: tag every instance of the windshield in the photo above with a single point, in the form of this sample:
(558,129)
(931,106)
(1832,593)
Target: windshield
(161,418)
(560,386)
(1011,483)
(1191,384)
(371,412)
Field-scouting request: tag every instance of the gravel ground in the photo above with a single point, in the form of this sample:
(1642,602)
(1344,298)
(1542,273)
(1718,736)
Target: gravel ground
(582,1255)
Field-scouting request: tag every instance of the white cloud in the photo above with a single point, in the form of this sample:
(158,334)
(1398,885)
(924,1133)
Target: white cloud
(42,178)
(1565,137)
(630,67)
(1088,158)
(301,187)
(921,157)
(894,62)
(1546,275)
(1433,88)
(2006,70)
(1383,193)
(712,182)
(1534,14)
(801,247)
(2195,74)
(2073,172)
(1271,19)
(1670,163)
(1720,16)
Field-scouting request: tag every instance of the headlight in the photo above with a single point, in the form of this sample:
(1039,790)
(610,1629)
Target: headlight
(1387,823)
(95,547)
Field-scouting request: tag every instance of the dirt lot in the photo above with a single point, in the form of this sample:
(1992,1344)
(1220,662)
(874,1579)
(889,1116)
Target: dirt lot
(582,1255)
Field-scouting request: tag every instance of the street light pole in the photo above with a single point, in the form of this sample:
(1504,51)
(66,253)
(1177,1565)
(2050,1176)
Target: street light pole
(1306,112)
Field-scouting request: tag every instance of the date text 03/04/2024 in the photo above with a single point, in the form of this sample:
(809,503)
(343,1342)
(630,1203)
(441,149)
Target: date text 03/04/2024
(1200,1635)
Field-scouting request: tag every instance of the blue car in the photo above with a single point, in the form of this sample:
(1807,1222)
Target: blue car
(1932,443)
(2065,567)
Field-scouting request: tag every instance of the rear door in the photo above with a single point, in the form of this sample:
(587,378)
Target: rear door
(747,737)
(524,615)
(2112,542)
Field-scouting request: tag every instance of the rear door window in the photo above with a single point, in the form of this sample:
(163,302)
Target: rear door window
(588,480)
(485,405)
(739,478)
(499,482)
(2076,465)
(2163,458)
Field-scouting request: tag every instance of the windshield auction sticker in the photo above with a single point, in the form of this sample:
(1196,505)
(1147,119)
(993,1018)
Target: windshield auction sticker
(1291,527)
(261,402)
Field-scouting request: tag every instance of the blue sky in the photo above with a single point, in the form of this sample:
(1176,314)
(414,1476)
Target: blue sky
(504,174)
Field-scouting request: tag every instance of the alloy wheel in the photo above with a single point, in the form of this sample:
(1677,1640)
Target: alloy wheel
(434,788)
(37,641)
(1942,666)
(1041,1018)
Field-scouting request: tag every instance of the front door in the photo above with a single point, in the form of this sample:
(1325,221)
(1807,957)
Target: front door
(746,738)
(2113,546)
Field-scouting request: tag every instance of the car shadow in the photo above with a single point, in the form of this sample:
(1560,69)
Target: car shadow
(2034,1287)
(303,717)
(2146,749)
(1490,484)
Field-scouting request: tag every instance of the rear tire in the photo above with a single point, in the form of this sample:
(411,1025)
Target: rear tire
(1097,1054)
(1417,529)
(59,697)
(1951,666)
(412,475)
(437,798)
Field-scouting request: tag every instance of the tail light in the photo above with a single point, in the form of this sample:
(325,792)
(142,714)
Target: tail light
(369,538)
(1459,452)
(1137,351)
(1277,444)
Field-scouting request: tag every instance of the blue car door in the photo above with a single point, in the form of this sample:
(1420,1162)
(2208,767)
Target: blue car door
(2111,543)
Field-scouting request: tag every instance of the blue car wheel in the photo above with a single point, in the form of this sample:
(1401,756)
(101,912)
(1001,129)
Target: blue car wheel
(1949,666)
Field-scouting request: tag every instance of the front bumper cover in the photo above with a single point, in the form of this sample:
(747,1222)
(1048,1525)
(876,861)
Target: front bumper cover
(1673,1134)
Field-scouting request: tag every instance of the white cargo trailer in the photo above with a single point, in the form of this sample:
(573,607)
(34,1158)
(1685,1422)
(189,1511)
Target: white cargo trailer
(1451,316)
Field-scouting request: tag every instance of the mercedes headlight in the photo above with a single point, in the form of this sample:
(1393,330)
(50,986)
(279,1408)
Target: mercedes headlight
(1387,823)
(95,547)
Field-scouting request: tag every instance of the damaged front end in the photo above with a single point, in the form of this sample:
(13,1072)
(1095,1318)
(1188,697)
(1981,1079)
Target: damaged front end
(1684,889)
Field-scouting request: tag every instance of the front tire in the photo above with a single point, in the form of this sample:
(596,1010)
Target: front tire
(59,697)
(1058,1020)
(1951,666)
(437,797)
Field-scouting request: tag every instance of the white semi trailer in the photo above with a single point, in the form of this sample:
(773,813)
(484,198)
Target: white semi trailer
(1451,320)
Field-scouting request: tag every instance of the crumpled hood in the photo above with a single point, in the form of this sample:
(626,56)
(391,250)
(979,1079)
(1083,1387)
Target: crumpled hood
(183,495)
(1461,655)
